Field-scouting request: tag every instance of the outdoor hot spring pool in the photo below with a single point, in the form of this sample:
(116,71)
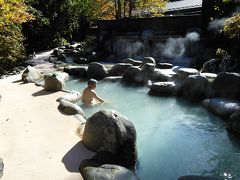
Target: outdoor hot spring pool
(174,137)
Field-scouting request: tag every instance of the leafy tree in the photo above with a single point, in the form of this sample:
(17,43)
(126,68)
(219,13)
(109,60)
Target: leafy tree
(232,26)
(56,22)
(124,8)
(12,14)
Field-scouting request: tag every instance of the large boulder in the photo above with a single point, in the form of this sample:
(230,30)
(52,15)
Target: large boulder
(107,172)
(162,75)
(72,97)
(227,85)
(222,107)
(54,83)
(148,60)
(119,69)
(76,71)
(132,76)
(194,177)
(163,89)
(69,108)
(108,130)
(195,88)
(97,71)
(233,123)
(211,66)
(112,79)
(132,61)
(164,65)
(210,76)
(185,72)
(31,74)
(1,167)
(80,60)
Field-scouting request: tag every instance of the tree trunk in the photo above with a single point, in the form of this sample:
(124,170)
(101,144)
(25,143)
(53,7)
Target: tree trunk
(119,9)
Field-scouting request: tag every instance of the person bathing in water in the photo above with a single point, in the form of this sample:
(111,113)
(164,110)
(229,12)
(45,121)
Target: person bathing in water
(89,95)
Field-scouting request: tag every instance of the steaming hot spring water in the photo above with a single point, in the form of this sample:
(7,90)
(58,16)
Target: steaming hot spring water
(174,137)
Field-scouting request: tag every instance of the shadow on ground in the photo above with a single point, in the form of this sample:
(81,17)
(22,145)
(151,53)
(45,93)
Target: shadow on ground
(41,93)
(73,158)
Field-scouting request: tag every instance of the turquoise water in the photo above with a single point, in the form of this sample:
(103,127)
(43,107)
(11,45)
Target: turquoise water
(174,137)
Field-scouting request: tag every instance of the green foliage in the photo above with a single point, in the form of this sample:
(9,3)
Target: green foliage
(56,22)
(12,14)
(232,26)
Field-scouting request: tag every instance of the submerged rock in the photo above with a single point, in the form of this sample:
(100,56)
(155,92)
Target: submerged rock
(195,88)
(108,130)
(163,89)
(193,177)
(97,71)
(119,69)
(107,172)
(233,123)
(69,108)
(222,107)
(227,85)
(54,83)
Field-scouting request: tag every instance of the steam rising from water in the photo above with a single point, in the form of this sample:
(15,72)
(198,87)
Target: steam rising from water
(216,24)
(176,47)
(172,48)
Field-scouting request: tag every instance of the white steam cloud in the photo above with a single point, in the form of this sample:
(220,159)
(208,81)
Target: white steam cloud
(176,47)
(216,24)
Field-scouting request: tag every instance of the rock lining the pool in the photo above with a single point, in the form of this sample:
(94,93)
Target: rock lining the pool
(188,83)
(185,82)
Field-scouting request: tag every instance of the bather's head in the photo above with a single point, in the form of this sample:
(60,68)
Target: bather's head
(92,83)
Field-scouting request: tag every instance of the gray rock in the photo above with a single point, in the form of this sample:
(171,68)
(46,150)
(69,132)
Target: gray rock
(31,74)
(162,75)
(69,108)
(76,71)
(148,68)
(211,66)
(210,76)
(148,60)
(80,60)
(164,65)
(1,167)
(132,76)
(53,83)
(185,72)
(112,79)
(132,61)
(222,107)
(108,172)
(119,69)
(233,123)
(96,71)
(61,57)
(57,52)
(195,88)
(193,177)
(163,89)
(227,85)
(108,130)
